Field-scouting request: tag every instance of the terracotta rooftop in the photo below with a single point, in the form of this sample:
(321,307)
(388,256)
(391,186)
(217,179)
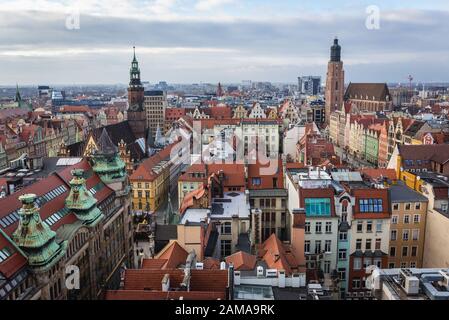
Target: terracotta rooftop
(174,254)
(277,255)
(160,295)
(242,261)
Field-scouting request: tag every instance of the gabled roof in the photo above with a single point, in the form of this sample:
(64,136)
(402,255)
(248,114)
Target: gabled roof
(277,255)
(174,254)
(377,90)
(242,261)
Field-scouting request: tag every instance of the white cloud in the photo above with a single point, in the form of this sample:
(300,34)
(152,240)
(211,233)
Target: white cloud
(207,5)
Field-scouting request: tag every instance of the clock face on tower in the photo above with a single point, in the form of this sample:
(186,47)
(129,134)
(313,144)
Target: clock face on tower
(134,107)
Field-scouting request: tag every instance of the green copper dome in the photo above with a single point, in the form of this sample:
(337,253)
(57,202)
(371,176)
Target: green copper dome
(81,201)
(35,238)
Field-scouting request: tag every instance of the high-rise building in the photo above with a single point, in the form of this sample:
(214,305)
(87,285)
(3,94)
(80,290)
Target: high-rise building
(335,81)
(155,103)
(309,85)
(136,112)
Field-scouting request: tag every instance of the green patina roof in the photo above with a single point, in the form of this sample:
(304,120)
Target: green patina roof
(35,238)
(81,201)
(107,162)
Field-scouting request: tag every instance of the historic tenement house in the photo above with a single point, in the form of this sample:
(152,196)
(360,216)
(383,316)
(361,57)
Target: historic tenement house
(73,224)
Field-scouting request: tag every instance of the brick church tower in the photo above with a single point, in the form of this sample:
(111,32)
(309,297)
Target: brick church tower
(335,81)
(136,111)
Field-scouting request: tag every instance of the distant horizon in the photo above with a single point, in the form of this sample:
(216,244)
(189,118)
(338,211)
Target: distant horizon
(52,85)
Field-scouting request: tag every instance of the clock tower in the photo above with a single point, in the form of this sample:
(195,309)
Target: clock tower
(335,81)
(136,111)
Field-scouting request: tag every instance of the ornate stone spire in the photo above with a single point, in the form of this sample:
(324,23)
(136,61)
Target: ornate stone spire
(81,201)
(35,238)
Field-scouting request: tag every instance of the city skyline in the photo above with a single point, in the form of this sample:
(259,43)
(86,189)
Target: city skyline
(187,41)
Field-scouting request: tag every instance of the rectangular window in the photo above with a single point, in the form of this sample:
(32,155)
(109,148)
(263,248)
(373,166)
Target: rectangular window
(416,218)
(408,206)
(414,251)
(394,219)
(391,265)
(394,235)
(395,206)
(318,227)
(357,263)
(328,227)
(256,181)
(356,283)
(327,266)
(371,205)
(404,251)
(378,244)
(360,226)
(369,226)
(342,254)
(368,244)
(307,246)
(418,206)
(379,226)
(226,247)
(327,246)
(358,244)
(343,236)
(405,235)
(415,234)
(406,219)
(412,264)
(318,206)
(342,273)
(226,228)
(403,265)
(392,251)
(307,227)
(318,246)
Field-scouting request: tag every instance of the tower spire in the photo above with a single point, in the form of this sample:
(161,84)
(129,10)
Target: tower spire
(134,49)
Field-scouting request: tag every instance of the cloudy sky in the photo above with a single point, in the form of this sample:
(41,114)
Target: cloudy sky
(185,41)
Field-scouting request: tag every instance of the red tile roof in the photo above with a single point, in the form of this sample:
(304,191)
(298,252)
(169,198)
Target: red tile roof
(160,295)
(266,173)
(211,264)
(174,254)
(144,171)
(278,255)
(242,261)
(201,280)
(189,198)
(153,263)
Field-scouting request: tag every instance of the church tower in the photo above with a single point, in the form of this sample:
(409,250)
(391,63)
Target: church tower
(335,81)
(136,111)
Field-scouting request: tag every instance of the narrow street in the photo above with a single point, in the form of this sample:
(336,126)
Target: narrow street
(355,162)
